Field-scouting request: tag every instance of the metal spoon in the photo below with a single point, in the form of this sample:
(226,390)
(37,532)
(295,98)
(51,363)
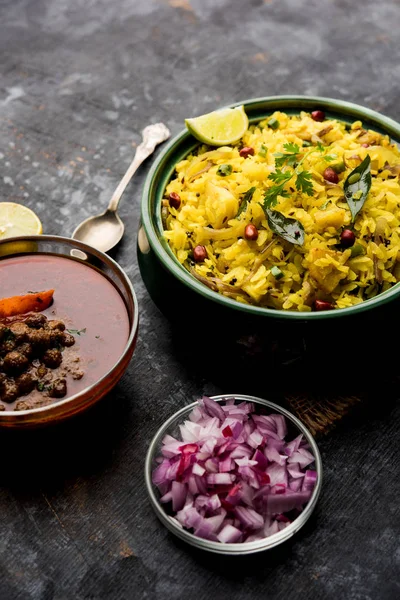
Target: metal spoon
(104,231)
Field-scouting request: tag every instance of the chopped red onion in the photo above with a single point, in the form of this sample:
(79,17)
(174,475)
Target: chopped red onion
(233,477)
(309,481)
(229,534)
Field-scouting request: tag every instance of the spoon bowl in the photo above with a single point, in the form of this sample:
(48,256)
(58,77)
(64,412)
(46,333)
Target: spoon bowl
(105,230)
(102,231)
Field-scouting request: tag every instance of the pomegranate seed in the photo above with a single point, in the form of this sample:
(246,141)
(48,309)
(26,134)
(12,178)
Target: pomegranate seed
(322,305)
(247,151)
(251,232)
(199,253)
(330,175)
(365,145)
(318,115)
(347,238)
(174,200)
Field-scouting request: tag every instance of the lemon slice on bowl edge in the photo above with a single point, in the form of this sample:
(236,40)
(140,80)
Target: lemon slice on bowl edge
(17,220)
(219,128)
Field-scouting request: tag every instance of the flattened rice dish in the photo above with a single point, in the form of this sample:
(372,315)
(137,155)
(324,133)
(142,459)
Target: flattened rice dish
(302,214)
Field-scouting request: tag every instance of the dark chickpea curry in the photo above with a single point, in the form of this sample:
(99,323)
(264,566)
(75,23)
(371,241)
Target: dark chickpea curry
(36,358)
(56,343)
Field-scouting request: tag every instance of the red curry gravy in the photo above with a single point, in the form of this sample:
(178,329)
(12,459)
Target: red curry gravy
(86,301)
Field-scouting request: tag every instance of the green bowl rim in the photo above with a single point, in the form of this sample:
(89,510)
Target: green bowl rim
(168,260)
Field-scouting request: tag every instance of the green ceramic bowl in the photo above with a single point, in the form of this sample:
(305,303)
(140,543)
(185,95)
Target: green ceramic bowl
(172,286)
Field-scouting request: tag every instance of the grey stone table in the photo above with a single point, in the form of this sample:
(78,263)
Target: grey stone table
(79,80)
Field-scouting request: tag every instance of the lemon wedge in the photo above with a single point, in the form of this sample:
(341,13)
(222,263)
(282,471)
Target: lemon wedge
(16,219)
(219,128)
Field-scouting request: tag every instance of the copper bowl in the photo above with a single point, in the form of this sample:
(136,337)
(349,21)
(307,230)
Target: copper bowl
(73,405)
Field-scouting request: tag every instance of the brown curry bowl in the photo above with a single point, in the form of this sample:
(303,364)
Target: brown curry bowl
(44,247)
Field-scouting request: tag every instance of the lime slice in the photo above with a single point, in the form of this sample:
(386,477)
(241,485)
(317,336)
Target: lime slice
(16,219)
(219,128)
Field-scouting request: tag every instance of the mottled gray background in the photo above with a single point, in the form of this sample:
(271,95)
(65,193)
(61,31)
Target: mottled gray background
(79,81)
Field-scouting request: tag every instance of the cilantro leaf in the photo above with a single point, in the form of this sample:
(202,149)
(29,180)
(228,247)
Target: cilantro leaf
(320,147)
(271,196)
(303,183)
(291,148)
(290,158)
(285,159)
(330,158)
(280,176)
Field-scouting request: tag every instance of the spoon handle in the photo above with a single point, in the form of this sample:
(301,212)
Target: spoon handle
(152,136)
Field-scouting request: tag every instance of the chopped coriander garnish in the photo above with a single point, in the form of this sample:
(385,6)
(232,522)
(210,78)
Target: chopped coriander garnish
(76,331)
(303,183)
(290,158)
(289,229)
(271,196)
(40,386)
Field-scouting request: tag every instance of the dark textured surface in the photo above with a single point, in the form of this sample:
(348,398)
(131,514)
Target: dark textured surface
(80,79)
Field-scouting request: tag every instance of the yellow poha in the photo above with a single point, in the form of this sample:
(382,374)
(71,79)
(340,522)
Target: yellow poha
(216,193)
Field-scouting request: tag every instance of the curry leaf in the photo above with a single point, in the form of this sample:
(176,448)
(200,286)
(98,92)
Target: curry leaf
(245,200)
(290,230)
(357,186)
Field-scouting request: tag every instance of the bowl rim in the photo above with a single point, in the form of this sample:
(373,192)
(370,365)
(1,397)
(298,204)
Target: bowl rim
(169,261)
(244,547)
(13,415)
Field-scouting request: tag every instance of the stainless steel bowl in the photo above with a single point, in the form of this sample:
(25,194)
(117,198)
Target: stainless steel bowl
(171,426)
